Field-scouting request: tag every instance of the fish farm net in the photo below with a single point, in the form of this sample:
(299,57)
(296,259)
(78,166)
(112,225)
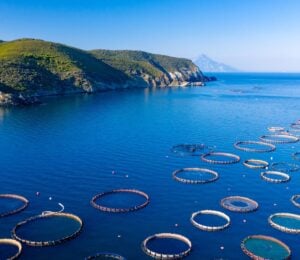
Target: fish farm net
(224,223)
(10,249)
(285,222)
(167,246)
(106,255)
(262,247)
(256,164)
(279,139)
(195,175)
(275,176)
(136,198)
(47,229)
(284,167)
(11,204)
(254,146)
(239,204)
(182,150)
(220,158)
(296,200)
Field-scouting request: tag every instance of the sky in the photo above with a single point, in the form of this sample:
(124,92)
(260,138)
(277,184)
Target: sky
(251,35)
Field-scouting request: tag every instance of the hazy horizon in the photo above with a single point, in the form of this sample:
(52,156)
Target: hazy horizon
(252,36)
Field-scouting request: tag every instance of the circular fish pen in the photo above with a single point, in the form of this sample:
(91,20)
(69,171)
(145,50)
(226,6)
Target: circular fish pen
(275,129)
(199,172)
(295,199)
(182,150)
(279,177)
(164,251)
(296,156)
(284,167)
(285,222)
(11,243)
(239,204)
(105,255)
(246,146)
(209,227)
(295,125)
(279,139)
(120,209)
(262,247)
(51,215)
(17,198)
(232,158)
(256,164)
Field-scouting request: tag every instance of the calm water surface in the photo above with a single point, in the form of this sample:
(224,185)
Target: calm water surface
(68,147)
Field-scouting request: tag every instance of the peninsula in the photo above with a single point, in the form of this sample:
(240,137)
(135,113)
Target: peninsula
(30,69)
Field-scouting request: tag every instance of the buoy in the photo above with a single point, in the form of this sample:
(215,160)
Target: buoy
(50,198)
(275,204)
(222,247)
(244,220)
(112,172)
(271,158)
(119,236)
(126,176)
(176,225)
(37,193)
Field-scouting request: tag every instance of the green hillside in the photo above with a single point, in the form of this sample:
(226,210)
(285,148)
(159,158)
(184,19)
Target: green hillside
(34,68)
(31,65)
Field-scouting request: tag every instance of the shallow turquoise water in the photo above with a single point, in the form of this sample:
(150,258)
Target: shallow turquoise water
(68,147)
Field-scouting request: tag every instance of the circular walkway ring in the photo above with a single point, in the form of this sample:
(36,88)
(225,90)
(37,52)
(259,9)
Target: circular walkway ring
(106,254)
(256,164)
(234,158)
(17,210)
(50,242)
(210,212)
(296,156)
(283,228)
(227,203)
(269,147)
(285,139)
(264,176)
(120,210)
(157,255)
(275,129)
(267,238)
(292,167)
(294,199)
(191,149)
(12,242)
(176,174)
(295,125)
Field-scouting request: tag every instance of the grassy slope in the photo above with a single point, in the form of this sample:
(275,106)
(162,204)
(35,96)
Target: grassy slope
(154,64)
(34,64)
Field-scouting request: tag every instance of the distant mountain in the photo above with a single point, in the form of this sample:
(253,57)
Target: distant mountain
(32,68)
(206,64)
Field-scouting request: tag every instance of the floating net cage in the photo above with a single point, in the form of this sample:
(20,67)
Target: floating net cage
(95,204)
(182,150)
(296,200)
(262,247)
(256,164)
(105,255)
(285,222)
(295,125)
(296,156)
(167,246)
(254,146)
(279,138)
(278,177)
(211,213)
(7,242)
(16,198)
(274,129)
(231,158)
(195,175)
(50,215)
(239,204)
(284,167)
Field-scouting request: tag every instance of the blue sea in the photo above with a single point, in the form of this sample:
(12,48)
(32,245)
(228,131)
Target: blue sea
(70,148)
